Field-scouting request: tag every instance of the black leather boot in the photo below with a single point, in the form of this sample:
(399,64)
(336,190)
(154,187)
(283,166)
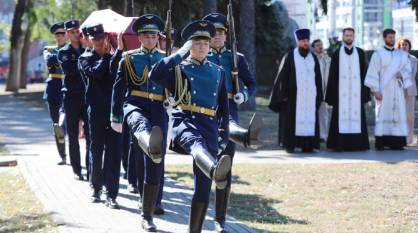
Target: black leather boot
(197,216)
(215,170)
(149,199)
(221,204)
(151,143)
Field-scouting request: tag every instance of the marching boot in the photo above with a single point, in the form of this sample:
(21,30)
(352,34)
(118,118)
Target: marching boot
(59,133)
(149,198)
(197,216)
(238,134)
(256,123)
(60,142)
(243,137)
(61,120)
(215,170)
(221,204)
(151,143)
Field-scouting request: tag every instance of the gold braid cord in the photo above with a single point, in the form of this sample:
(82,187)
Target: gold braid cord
(181,95)
(130,71)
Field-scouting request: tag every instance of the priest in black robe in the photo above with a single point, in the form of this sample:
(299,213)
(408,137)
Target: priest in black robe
(347,94)
(296,96)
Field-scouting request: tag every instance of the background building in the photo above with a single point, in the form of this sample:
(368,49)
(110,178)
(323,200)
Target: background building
(367,17)
(404,22)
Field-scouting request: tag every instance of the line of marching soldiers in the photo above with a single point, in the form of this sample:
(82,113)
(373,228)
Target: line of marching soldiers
(126,100)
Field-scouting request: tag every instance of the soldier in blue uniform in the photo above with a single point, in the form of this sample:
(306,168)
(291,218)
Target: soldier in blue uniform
(53,93)
(74,101)
(105,142)
(201,119)
(87,45)
(222,56)
(143,109)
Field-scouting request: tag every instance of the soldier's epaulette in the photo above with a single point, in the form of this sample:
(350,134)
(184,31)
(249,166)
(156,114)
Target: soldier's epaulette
(238,53)
(49,48)
(129,52)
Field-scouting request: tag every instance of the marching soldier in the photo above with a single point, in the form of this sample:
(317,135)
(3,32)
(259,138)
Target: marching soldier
(105,142)
(223,57)
(74,100)
(87,45)
(53,93)
(200,123)
(143,109)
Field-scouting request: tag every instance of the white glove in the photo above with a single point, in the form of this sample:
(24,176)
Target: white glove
(116,127)
(169,103)
(185,48)
(239,98)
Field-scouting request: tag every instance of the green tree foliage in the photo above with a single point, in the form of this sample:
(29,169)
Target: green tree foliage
(48,12)
(5,29)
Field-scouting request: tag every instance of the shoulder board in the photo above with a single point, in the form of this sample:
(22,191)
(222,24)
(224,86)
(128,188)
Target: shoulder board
(216,66)
(50,48)
(129,52)
(86,53)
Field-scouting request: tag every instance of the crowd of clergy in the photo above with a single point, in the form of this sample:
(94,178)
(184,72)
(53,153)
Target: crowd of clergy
(321,96)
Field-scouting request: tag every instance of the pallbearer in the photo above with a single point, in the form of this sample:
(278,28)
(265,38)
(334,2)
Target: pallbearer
(105,142)
(74,95)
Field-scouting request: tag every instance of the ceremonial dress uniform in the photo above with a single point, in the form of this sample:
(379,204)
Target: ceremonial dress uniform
(201,119)
(143,112)
(105,142)
(74,100)
(53,93)
(224,58)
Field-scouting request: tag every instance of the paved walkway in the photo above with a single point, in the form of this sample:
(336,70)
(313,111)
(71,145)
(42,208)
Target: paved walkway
(27,134)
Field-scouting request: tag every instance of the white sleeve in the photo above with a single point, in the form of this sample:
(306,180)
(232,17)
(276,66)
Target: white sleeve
(406,71)
(372,76)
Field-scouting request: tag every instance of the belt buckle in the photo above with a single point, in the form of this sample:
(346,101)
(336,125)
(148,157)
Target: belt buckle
(151,96)
(202,110)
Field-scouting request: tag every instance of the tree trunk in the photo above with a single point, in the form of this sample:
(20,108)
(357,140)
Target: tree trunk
(13,78)
(25,57)
(209,6)
(247,41)
(16,47)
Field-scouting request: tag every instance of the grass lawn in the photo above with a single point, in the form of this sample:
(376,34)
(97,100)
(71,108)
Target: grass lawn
(376,197)
(20,211)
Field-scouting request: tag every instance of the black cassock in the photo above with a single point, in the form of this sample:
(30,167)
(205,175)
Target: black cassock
(283,101)
(338,141)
